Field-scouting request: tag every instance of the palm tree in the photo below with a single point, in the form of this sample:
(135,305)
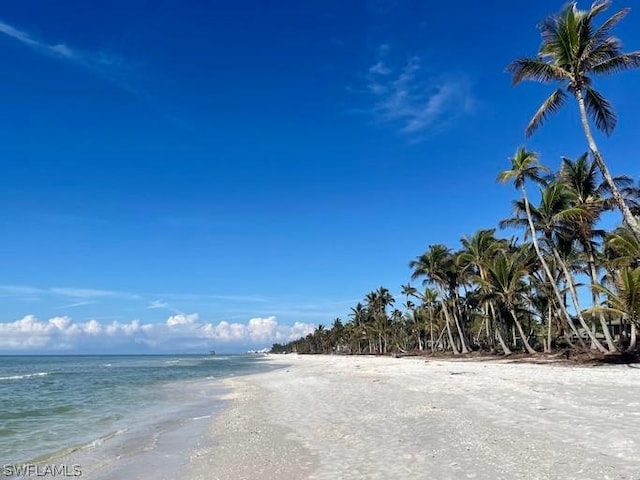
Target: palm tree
(524,165)
(377,303)
(409,291)
(591,196)
(438,266)
(429,300)
(505,279)
(573,50)
(623,248)
(477,251)
(557,206)
(359,318)
(624,299)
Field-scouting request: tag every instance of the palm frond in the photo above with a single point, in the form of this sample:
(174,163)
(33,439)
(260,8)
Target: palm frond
(513,223)
(556,44)
(536,70)
(600,38)
(604,30)
(619,63)
(600,110)
(597,7)
(623,182)
(550,106)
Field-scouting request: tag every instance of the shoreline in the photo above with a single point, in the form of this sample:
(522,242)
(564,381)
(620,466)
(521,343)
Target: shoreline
(136,417)
(381,417)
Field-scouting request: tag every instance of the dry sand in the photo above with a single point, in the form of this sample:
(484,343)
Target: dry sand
(324,417)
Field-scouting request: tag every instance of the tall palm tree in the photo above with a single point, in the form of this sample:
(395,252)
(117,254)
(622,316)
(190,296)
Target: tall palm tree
(624,298)
(438,266)
(477,251)
(573,50)
(377,303)
(557,206)
(429,300)
(359,316)
(525,166)
(623,248)
(505,279)
(408,291)
(592,197)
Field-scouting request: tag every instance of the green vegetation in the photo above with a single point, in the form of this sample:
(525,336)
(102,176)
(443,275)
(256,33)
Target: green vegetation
(500,295)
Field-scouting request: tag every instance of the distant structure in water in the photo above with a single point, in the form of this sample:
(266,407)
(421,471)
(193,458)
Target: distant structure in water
(212,352)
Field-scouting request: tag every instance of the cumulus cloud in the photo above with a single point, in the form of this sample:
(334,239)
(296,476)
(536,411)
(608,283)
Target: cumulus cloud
(411,97)
(182,319)
(179,332)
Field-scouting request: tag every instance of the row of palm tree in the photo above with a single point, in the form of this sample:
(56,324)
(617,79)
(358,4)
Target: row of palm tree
(504,295)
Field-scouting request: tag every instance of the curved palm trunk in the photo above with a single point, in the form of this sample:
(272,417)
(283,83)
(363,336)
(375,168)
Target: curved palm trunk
(595,297)
(576,302)
(431,329)
(546,268)
(489,328)
(463,341)
(505,348)
(628,217)
(634,339)
(528,347)
(490,319)
(448,323)
(503,344)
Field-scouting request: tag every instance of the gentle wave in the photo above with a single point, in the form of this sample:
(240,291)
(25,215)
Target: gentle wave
(68,450)
(100,440)
(200,418)
(27,375)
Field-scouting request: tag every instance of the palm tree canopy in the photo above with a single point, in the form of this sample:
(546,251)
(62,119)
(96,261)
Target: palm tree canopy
(583,177)
(557,208)
(524,166)
(623,248)
(592,195)
(507,271)
(624,297)
(478,249)
(573,50)
(433,264)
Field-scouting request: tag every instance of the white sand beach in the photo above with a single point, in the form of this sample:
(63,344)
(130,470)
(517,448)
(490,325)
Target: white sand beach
(324,417)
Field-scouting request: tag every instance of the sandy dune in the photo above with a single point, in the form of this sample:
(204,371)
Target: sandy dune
(381,418)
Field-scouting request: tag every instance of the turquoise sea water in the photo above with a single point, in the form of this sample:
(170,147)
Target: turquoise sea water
(106,411)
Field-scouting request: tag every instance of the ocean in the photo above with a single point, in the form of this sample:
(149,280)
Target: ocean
(110,416)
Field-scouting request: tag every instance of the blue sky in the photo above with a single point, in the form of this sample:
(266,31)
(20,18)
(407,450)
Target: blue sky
(180,174)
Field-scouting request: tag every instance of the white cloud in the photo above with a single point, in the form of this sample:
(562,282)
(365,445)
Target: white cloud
(93,327)
(379,69)
(79,304)
(182,319)
(157,304)
(178,333)
(106,66)
(59,50)
(91,293)
(413,99)
(18,290)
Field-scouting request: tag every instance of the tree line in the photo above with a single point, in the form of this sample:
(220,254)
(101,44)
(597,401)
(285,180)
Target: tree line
(503,295)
